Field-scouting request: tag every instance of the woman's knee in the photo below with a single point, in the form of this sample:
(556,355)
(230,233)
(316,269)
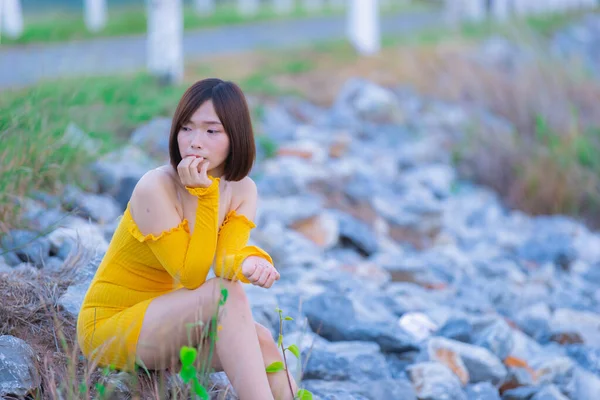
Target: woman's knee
(233,294)
(265,337)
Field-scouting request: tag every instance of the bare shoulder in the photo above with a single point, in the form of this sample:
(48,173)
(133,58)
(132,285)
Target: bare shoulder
(245,197)
(153,202)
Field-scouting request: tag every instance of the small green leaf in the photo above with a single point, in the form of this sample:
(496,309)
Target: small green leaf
(187,355)
(187,373)
(275,367)
(279,310)
(304,394)
(279,340)
(288,319)
(200,390)
(295,351)
(101,389)
(224,294)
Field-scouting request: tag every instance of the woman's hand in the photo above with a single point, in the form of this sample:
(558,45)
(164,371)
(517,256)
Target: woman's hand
(259,271)
(193,172)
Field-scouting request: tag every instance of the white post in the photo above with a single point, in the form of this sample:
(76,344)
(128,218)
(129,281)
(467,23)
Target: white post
(283,6)
(475,10)
(204,7)
(95,15)
(165,39)
(12,15)
(364,31)
(313,5)
(500,10)
(248,7)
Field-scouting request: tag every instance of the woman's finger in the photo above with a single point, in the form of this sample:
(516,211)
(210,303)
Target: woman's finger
(193,171)
(271,280)
(264,277)
(183,170)
(255,276)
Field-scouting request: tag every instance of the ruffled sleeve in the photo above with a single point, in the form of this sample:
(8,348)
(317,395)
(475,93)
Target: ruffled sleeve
(187,258)
(232,247)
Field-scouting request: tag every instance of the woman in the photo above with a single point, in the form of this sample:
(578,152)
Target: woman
(150,295)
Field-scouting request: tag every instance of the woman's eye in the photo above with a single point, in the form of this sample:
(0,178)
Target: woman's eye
(212,131)
(185,129)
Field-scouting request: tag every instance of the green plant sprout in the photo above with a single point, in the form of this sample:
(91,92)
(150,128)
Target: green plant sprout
(277,366)
(188,355)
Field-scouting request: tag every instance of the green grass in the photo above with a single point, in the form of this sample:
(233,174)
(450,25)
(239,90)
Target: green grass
(33,121)
(66,26)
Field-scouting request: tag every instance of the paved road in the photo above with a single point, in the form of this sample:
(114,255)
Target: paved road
(21,66)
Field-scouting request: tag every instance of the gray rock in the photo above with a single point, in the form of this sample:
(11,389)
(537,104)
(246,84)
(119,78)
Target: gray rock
(360,100)
(279,185)
(521,393)
(482,391)
(587,357)
(437,178)
(18,374)
(549,393)
(72,299)
(27,246)
(497,338)
(333,316)
(551,369)
(498,52)
(53,264)
(435,381)
(100,208)
(153,137)
(75,138)
(286,247)
(535,320)
(116,172)
(356,233)
(289,210)
(459,329)
(328,390)
(277,123)
(354,361)
(481,364)
(584,386)
(584,323)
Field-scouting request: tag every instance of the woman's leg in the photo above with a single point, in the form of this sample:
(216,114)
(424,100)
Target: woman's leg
(238,349)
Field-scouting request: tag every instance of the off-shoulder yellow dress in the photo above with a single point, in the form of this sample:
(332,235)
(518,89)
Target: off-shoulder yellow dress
(138,268)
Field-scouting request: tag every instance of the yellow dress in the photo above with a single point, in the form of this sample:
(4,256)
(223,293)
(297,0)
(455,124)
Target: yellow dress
(138,268)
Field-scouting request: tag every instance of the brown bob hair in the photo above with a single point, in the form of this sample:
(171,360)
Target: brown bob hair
(232,109)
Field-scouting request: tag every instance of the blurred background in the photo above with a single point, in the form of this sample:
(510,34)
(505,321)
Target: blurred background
(386,130)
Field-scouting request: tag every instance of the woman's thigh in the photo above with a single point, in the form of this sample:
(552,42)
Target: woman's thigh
(174,320)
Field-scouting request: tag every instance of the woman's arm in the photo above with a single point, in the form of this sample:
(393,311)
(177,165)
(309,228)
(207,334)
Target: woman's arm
(232,249)
(168,237)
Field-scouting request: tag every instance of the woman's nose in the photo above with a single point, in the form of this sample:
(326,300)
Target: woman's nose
(197,140)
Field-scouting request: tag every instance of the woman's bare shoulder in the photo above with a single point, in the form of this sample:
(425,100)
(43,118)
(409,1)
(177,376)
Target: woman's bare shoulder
(154,202)
(244,197)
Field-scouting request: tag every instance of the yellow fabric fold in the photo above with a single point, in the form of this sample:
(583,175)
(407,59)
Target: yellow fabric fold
(232,247)
(188,258)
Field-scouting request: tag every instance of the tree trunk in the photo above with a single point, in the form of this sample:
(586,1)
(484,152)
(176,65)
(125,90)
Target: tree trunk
(95,15)
(363,26)
(12,18)
(165,40)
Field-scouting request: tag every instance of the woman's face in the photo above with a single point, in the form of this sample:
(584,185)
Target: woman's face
(204,136)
